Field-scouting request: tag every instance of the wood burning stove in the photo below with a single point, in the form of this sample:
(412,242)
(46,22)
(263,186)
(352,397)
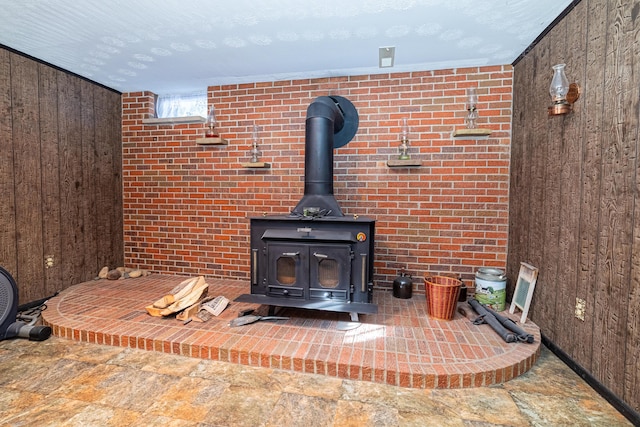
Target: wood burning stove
(316,257)
(322,264)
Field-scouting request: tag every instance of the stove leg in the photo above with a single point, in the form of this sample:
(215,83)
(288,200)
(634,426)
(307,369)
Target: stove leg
(272,310)
(354,316)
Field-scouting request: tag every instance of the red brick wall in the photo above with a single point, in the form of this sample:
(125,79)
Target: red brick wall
(186,206)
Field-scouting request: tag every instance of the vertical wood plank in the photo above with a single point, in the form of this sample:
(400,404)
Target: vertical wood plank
(8,238)
(631,388)
(114,124)
(536,190)
(569,202)
(109,180)
(48,104)
(103,170)
(546,286)
(616,203)
(90,188)
(27,173)
(591,102)
(71,185)
(521,141)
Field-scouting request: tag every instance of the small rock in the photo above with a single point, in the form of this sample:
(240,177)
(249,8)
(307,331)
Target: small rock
(103,273)
(135,273)
(113,274)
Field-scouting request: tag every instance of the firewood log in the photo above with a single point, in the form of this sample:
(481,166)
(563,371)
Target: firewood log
(177,293)
(188,300)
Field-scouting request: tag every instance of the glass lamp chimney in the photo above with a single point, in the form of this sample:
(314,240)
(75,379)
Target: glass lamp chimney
(211,124)
(404,141)
(472,109)
(255,152)
(559,85)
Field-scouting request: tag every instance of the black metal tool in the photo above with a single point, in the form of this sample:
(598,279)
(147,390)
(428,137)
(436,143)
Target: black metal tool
(521,334)
(246,320)
(488,316)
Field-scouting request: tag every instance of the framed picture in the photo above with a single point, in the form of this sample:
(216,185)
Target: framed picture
(524,290)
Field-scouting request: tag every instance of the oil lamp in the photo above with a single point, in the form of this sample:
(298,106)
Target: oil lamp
(472,108)
(563,94)
(404,141)
(211,124)
(255,152)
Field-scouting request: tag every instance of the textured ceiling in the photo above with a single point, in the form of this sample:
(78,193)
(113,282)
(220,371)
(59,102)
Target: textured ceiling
(176,47)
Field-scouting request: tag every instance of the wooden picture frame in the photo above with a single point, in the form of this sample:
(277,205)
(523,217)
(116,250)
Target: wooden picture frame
(524,290)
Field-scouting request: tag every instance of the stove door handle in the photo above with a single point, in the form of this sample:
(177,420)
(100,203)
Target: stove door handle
(290,253)
(320,256)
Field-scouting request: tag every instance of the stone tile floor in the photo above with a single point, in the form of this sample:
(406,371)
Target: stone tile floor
(61,382)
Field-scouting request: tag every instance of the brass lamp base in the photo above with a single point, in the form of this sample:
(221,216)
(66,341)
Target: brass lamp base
(558,109)
(565,106)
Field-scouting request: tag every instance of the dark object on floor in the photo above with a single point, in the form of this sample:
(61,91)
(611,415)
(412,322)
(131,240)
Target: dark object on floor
(402,286)
(10,325)
(521,334)
(503,326)
(245,320)
(462,297)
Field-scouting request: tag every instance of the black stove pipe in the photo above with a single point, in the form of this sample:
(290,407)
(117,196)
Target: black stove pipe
(331,123)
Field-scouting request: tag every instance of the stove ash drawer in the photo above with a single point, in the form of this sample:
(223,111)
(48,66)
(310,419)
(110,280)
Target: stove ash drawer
(285,291)
(328,294)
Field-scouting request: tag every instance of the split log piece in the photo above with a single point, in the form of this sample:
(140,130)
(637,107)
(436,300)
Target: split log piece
(176,293)
(191,298)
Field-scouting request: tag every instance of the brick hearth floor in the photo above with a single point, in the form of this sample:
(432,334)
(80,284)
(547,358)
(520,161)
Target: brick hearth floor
(401,345)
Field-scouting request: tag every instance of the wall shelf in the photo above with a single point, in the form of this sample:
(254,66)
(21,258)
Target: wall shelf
(479,132)
(257,165)
(397,163)
(211,141)
(173,120)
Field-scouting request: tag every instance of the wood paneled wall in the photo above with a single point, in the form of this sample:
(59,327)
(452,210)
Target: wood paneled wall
(60,176)
(574,199)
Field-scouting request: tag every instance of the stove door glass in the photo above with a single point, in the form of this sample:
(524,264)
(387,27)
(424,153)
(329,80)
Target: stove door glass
(330,271)
(287,269)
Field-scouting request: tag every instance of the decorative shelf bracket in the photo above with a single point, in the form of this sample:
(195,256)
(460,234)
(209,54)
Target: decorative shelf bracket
(211,141)
(397,163)
(471,133)
(256,165)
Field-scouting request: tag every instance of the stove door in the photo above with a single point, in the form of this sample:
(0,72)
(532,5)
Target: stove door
(287,273)
(330,271)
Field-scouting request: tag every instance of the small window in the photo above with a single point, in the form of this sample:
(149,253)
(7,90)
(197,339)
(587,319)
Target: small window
(184,105)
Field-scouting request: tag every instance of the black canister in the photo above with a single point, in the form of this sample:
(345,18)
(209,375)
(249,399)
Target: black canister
(402,286)
(462,297)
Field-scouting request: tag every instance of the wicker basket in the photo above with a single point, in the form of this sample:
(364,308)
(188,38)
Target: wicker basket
(442,296)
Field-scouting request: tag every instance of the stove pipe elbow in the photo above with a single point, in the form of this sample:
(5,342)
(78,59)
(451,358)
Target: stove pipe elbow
(332,122)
